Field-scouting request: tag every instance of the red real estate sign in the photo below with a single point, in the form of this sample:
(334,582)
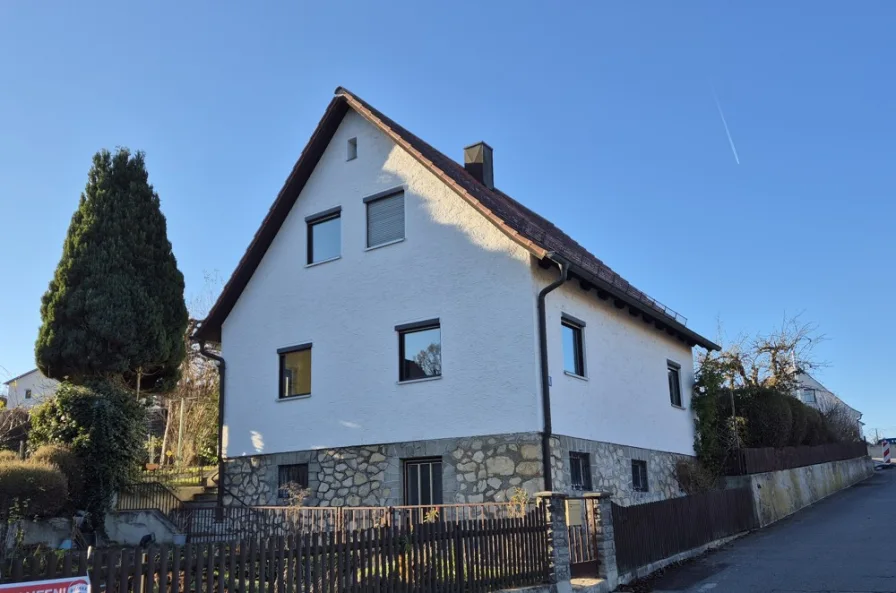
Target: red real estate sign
(69,585)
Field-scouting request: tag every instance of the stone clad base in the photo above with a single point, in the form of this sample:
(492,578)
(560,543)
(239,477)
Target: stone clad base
(611,470)
(485,468)
(475,469)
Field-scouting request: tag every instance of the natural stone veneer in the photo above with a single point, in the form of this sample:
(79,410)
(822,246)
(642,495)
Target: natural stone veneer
(611,470)
(475,469)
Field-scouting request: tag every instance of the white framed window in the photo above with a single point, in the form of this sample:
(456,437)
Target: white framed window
(352,149)
(385,218)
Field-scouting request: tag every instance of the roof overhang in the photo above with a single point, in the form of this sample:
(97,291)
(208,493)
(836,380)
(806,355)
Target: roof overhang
(637,308)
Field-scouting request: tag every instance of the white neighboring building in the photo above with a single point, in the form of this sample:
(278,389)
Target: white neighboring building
(382,339)
(814,394)
(29,389)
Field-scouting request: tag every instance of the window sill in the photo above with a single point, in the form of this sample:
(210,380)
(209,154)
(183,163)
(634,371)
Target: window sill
(678,407)
(324,261)
(386,244)
(575,376)
(293,397)
(424,380)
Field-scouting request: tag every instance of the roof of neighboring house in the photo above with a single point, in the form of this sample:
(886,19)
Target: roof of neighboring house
(11,381)
(538,235)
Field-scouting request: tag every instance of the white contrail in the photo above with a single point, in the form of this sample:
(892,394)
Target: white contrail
(725,123)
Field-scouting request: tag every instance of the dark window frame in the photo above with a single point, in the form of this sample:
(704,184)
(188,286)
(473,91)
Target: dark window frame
(385,195)
(28,394)
(418,461)
(583,460)
(281,484)
(640,482)
(315,219)
(281,355)
(673,368)
(578,328)
(410,328)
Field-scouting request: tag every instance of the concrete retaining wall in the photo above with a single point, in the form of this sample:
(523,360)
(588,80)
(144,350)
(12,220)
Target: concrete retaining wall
(128,527)
(779,494)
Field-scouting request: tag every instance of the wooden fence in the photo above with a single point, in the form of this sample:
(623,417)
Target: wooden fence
(649,532)
(768,459)
(445,556)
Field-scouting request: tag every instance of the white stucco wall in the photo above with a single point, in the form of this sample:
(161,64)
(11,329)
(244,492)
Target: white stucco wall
(625,398)
(825,399)
(454,264)
(41,388)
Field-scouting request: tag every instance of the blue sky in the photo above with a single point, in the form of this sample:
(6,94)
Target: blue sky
(602,118)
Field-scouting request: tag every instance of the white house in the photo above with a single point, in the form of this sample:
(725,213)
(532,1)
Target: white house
(29,389)
(812,393)
(400,331)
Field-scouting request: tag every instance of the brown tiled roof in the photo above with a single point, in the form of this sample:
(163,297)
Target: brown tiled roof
(535,233)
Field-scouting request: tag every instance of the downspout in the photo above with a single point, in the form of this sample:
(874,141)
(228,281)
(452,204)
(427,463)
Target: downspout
(545,372)
(221,375)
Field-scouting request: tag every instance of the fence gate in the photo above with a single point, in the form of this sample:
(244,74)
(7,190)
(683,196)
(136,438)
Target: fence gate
(582,516)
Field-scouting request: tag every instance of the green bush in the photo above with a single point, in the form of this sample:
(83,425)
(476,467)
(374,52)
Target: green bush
(71,467)
(768,417)
(799,415)
(816,432)
(103,424)
(36,489)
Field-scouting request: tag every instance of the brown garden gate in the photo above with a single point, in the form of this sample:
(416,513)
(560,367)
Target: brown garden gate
(582,519)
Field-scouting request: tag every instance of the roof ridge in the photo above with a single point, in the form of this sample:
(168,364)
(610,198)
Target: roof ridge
(542,238)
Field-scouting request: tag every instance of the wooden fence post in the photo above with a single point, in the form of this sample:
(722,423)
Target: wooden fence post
(558,540)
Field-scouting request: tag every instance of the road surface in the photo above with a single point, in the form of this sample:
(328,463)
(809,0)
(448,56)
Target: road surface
(844,543)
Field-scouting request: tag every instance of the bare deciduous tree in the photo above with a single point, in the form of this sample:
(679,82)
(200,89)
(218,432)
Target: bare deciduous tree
(773,360)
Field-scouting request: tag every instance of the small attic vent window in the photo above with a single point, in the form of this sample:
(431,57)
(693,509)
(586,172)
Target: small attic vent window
(352,152)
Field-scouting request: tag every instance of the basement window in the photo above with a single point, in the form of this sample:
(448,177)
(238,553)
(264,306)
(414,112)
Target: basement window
(579,471)
(352,151)
(639,475)
(291,479)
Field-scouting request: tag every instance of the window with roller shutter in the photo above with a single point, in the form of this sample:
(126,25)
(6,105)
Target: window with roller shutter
(385,219)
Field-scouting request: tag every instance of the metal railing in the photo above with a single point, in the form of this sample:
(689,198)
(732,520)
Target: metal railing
(179,476)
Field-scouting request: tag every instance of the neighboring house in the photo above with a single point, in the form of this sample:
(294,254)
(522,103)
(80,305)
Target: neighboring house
(29,389)
(816,395)
(382,344)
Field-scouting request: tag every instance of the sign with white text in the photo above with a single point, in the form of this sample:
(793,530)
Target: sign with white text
(69,585)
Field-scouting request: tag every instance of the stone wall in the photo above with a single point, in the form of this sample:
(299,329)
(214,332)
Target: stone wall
(611,470)
(476,469)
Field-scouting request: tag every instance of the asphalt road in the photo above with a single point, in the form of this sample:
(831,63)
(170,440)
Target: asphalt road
(844,543)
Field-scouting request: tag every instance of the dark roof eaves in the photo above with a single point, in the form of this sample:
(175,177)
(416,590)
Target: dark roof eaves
(20,376)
